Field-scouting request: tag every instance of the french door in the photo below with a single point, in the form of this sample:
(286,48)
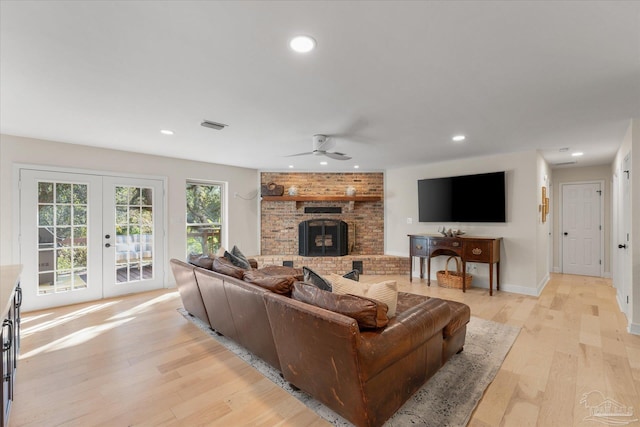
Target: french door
(85,237)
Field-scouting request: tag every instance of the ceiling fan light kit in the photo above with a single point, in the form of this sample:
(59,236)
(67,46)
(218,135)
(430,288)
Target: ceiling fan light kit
(322,143)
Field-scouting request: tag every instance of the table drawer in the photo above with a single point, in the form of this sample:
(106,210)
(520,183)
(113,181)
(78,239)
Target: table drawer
(445,244)
(479,251)
(419,247)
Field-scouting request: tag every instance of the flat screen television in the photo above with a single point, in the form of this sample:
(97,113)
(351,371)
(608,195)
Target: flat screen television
(468,198)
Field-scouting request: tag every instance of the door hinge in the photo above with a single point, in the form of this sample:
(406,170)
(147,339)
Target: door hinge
(627,299)
(600,262)
(599,227)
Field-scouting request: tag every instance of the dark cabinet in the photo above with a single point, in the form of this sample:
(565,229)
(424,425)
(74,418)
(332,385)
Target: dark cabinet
(10,301)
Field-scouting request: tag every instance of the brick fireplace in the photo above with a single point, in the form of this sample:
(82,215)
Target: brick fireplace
(365,219)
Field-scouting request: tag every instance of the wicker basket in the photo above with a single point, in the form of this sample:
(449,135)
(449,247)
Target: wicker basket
(453,279)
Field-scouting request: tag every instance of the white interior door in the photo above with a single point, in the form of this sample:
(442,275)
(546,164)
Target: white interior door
(85,237)
(581,229)
(133,235)
(624,250)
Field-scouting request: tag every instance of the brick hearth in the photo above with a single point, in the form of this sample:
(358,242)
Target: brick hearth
(371,264)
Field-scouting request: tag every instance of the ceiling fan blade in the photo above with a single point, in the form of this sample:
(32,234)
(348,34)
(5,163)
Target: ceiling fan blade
(300,154)
(337,156)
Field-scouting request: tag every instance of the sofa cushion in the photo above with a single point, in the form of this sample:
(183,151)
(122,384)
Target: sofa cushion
(223,266)
(369,313)
(203,261)
(386,291)
(280,270)
(277,284)
(237,261)
(460,315)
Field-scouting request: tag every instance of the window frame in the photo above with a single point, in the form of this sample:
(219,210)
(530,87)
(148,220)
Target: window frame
(223,212)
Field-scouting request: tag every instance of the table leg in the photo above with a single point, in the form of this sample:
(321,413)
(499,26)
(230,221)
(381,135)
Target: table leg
(428,270)
(464,275)
(490,279)
(410,268)
(498,276)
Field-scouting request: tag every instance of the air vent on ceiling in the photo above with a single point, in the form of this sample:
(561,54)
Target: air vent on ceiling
(213,125)
(565,163)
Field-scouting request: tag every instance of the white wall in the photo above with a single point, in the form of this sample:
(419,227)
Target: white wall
(242,219)
(543,229)
(582,174)
(631,143)
(519,270)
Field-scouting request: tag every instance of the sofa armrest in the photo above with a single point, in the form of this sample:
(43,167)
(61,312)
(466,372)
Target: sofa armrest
(253,262)
(408,330)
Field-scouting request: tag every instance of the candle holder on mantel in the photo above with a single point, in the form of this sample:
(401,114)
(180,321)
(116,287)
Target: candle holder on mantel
(351,191)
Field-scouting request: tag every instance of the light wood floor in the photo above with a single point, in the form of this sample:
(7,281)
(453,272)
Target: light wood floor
(136,361)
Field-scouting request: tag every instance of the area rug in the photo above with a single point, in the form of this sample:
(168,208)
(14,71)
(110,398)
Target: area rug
(447,399)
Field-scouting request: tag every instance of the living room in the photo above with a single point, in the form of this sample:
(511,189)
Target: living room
(595,110)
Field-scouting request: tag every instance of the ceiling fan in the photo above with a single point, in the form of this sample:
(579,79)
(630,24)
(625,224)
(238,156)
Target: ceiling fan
(321,145)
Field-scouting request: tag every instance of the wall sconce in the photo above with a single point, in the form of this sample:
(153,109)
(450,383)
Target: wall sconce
(544,207)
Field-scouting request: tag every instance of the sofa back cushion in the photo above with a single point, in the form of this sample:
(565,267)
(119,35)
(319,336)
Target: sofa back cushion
(203,261)
(224,266)
(367,312)
(278,284)
(386,292)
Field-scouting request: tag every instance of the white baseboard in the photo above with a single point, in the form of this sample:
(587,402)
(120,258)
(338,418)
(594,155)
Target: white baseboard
(607,275)
(634,328)
(557,270)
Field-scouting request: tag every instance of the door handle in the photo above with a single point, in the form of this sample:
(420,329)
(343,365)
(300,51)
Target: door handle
(565,233)
(622,246)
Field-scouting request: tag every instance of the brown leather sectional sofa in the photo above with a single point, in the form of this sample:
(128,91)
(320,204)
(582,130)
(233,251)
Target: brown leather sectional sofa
(365,375)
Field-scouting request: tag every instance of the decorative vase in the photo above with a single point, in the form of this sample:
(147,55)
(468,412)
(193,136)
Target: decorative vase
(293,190)
(351,191)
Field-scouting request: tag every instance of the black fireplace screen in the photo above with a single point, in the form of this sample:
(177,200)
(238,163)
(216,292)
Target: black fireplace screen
(323,237)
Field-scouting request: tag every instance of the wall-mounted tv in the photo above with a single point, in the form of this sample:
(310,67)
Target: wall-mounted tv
(468,198)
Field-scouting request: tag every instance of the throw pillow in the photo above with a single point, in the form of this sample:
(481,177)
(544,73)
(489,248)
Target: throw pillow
(238,262)
(386,292)
(314,278)
(367,312)
(352,275)
(236,251)
(224,266)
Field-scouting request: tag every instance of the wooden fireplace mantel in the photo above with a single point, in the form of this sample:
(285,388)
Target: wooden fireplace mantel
(327,198)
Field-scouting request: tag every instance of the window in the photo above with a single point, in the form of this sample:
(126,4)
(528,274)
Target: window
(204,218)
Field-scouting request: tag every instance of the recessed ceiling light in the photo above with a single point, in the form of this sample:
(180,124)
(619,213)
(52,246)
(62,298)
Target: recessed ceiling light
(577,154)
(323,163)
(302,44)
(356,166)
(166,132)
(290,166)
(459,138)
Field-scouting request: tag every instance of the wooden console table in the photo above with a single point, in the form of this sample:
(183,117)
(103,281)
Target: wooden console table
(470,249)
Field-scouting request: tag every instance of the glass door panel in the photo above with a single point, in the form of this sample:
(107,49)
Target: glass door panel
(133,216)
(60,229)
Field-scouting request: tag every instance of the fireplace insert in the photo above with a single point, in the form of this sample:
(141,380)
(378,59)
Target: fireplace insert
(323,237)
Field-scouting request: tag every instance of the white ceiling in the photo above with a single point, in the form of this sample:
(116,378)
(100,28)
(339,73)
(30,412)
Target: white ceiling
(394,80)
